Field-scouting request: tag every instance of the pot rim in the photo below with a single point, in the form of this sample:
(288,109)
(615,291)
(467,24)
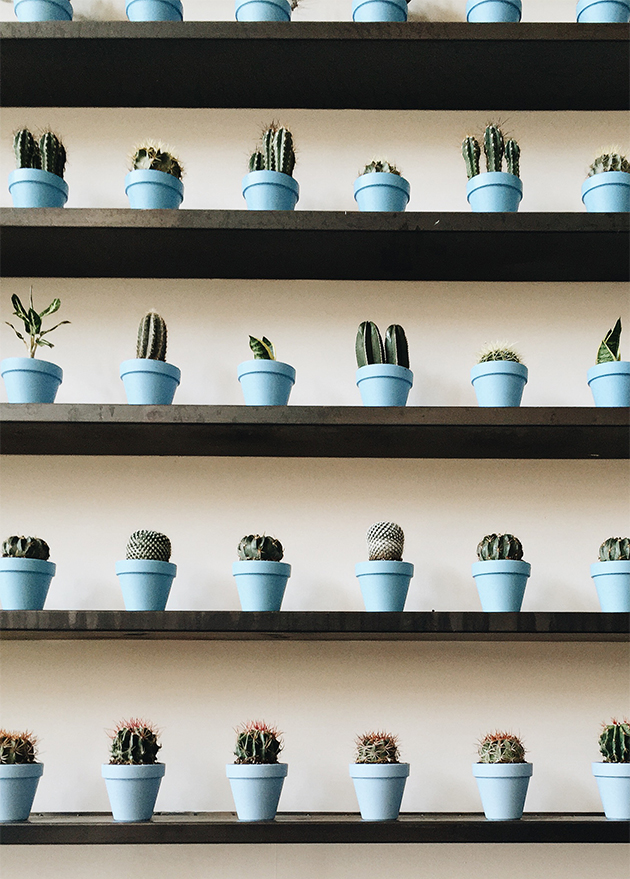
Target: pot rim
(382,178)
(501,566)
(261,566)
(146,566)
(383,566)
(379,770)
(494,178)
(38,175)
(471,4)
(606,178)
(22,565)
(146,365)
(498,367)
(30,364)
(503,770)
(277,367)
(21,770)
(584,4)
(612,368)
(140,176)
(384,370)
(602,569)
(131,770)
(176,4)
(402,4)
(610,770)
(257,770)
(275,178)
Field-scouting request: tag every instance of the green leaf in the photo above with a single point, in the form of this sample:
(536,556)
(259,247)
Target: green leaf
(609,348)
(18,308)
(45,342)
(52,308)
(262,349)
(50,329)
(270,347)
(34,321)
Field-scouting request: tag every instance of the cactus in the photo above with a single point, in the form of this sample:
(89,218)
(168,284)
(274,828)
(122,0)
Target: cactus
(151,337)
(148,545)
(154,156)
(369,345)
(385,540)
(501,747)
(377,747)
(26,150)
(276,152)
(615,549)
(499,547)
(283,149)
(471,152)
(493,147)
(512,157)
(17,747)
(257,548)
(257,162)
(25,548)
(32,321)
(134,741)
(256,742)
(610,161)
(53,154)
(262,348)
(614,742)
(609,348)
(396,348)
(380,166)
(498,351)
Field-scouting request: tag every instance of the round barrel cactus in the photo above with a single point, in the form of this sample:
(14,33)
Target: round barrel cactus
(134,742)
(385,541)
(17,747)
(499,547)
(615,549)
(25,548)
(501,747)
(377,747)
(257,742)
(614,742)
(260,548)
(149,545)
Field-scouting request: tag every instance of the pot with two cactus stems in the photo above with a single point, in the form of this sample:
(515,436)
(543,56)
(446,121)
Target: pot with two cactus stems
(379,778)
(496,191)
(501,574)
(38,180)
(261,577)
(42,10)
(264,380)
(499,377)
(611,575)
(379,10)
(494,10)
(154,10)
(502,776)
(155,179)
(607,187)
(380,187)
(146,575)
(25,573)
(256,777)
(385,578)
(602,11)
(270,186)
(609,379)
(613,774)
(133,775)
(383,376)
(19,775)
(148,379)
(264,10)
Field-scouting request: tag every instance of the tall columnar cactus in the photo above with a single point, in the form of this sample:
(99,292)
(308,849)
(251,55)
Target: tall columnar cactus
(614,742)
(276,152)
(609,348)
(134,741)
(377,747)
(26,150)
(609,162)
(262,349)
(148,545)
(253,547)
(493,148)
(369,346)
(386,541)
(154,156)
(471,152)
(257,742)
(53,153)
(25,548)
(396,347)
(152,337)
(499,547)
(498,351)
(17,747)
(615,549)
(380,166)
(513,157)
(501,747)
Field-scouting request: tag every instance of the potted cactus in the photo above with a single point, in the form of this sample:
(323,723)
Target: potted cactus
(603,11)
(379,10)
(499,376)
(146,575)
(133,774)
(25,573)
(256,777)
(261,575)
(378,775)
(494,10)
(613,774)
(502,775)
(609,379)
(611,575)
(42,10)
(148,379)
(383,375)
(270,186)
(384,578)
(264,380)
(501,574)
(19,775)
(496,191)
(607,187)
(380,187)
(155,178)
(154,10)
(264,10)
(26,379)
(38,180)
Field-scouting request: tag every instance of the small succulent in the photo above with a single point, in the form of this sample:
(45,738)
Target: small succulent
(385,541)
(495,149)
(17,747)
(276,152)
(25,548)
(134,741)
(609,161)
(253,547)
(498,351)
(256,742)
(614,742)
(32,321)
(151,337)
(148,545)
(376,747)
(501,747)
(154,156)
(262,348)
(615,549)
(379,166)
(369,346)
(499,547)
(609,349)
(48,155)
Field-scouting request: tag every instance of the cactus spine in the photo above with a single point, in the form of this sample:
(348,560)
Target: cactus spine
(499,547)
(377,747)
(26,150)
(609,348)
(253,547)
(386,541)
(471,152)
(493,147)
(154,156)
(609,162)
(134,742)
(380,166)
(17,747)
(615,549)
(513,157)
(276,152)
(501,747)
(498,351)
(53,154)
(151,337)
(25,548)
(614,742)
(258,743)
(148,545)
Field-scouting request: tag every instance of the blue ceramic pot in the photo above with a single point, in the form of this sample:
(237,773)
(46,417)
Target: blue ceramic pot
(601,11)
(499,382)
(613,781)
(610,383)
(18,784)
(263,10)
(503,788)
(266,382)
(384,584)
(256,789)
(501,584)
(261,584)
(42,10)
(607,193)
(384,384)
(379,788)
(154,10)
(145,583)
(151,190)
(379,10)
(381,191)
(149,382)
(24,583)
(612,581)
(494,10)
(30,381)
(132,790)
(494,192)
(270,191)
(34,188)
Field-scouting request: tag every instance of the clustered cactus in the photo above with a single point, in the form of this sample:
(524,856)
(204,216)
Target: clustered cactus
(32,321)
(253,547)
(615,549)
(256,742)
(17,747)
(499,547)
(148,545)
(380,166)
(495,149)
(276,151)
(609,349)
(501,747)
(154,156)
(609,161)
(151,337)
(262,348)
(370,349)
(25,548)
(385,541)
(614,742)
(498,351)
(48,155)
(134,741)
(377,747)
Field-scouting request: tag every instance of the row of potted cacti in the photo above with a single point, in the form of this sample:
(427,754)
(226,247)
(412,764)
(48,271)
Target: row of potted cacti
(147,573)
(155,178)
(133,773)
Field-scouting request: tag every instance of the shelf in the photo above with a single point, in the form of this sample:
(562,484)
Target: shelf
(115,243)
(331,64)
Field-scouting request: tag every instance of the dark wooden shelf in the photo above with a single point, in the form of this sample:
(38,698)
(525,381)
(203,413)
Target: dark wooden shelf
(108,243)
(421,66)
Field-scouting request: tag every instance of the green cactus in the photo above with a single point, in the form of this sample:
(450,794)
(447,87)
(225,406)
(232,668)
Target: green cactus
(369,344)
(385,541)
(377,747)
(258,743)
(499,547)
(257,548)
(396,347)
(151,337)
(148,545)
(614,742)
(32,321)
(262,349)
(380,167)
(283,150)
(615,549)
(611,161)
(276,152)
(53,154)
(609,348)
(471,152)
(493,147)
(135,742)
(25,548)
(512,157)
(501,747)
(498,351)
(154,156)
(26,149)
(17,747)
(257,162)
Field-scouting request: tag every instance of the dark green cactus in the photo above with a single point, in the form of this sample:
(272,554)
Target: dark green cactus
(609,348)
(257,162)
(151,337)
(25,548)
(17,747)
(501,747)
(377,747)
(53,154)
(262,349)
(26,150)
(379,166)
(471,152)
(148,545)
(614,742)
(276,152)
(283,150)
(134,742)
(386,541)
(498,351)
(369,344)
(513,157)
(493,147)
(609,162)
(257,548)
(154,156)
(258,743)
(396,348)
(500,547)
(615,549)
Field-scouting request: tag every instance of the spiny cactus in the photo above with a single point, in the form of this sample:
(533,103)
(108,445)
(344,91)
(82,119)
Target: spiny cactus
(499,547)
(614,742)
(609,348)
(258,743)
(380,166)
(377,747)
(257,548)
(385,541)
(501,747)
(498,351)
(134,741)
(493,148)
(53,153)
(151,337)
(396,347)
(615,549)
(369,346)
(32,321)
(611,161)
(25,548)
(17,747)
(148,545)
(276,152)
(513,157)
(262,349)
(26,150)
(154,156)
(471,152)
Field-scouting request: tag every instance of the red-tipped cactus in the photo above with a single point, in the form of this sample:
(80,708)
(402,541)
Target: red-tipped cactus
(134,742)
(257,743)
(501,747)
(614,742)
(17,747)
(377,747)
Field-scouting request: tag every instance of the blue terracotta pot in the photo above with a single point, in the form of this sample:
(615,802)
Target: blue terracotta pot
(34,188)
(266,382)
(610,383)
(24,583)
(612,581)
(18,784)
(263,10)
(613,781)
(601,11)
(379,788)
(145,583)
(42,10)
(149,382)
(151,190)
(261,584)
(494,192)
(381,191)
(256,789)
(154,10)
(384,584)
(30,381)
(494,10)
(503,788)
(270,191)
(384,384)
(132,790)
(501,584)
(499,382)
(379,10)
(607,193)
